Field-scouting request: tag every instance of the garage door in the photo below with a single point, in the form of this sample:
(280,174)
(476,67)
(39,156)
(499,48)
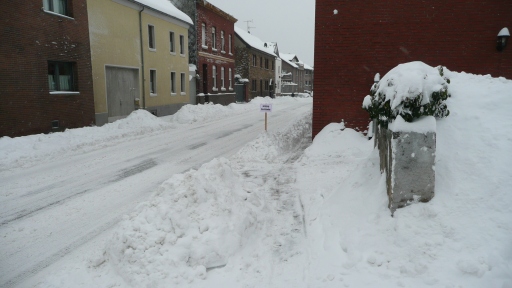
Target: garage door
(122,89)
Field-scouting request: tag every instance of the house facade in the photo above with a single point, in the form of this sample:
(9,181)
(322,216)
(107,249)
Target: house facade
(309,77)
(255,61)
(461,35)
(140,60)
(46,81)
(215,53)
(276,83)
(294,74)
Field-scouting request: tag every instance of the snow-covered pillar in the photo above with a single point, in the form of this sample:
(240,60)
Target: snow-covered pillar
(410,167)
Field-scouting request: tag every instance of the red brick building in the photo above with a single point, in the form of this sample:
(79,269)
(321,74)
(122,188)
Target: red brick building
(354,40)
(215,53)
(45,75)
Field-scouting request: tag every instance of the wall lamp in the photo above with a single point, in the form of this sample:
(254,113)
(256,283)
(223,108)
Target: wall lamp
(501,41)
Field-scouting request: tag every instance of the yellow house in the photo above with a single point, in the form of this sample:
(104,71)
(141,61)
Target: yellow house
(139,57)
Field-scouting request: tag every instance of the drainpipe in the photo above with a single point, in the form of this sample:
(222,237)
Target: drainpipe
(142,60)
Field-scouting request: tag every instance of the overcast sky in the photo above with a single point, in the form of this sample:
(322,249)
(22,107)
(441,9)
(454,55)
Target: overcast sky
(290,23)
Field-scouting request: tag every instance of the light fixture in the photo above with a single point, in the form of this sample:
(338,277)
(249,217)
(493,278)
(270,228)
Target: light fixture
(501,41)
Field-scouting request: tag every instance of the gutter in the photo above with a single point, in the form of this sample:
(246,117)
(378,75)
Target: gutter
(142,60)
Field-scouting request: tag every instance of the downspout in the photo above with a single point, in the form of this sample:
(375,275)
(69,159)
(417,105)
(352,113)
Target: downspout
(142,60)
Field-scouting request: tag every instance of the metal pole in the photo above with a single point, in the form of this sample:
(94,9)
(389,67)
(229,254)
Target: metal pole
(265,121)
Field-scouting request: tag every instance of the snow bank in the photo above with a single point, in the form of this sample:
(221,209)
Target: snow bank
(461,238)
(197,220)
(194,222)
(22,151)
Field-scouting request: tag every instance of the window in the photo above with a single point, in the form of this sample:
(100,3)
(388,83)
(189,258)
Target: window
(230,75)
(261,86)
(57,6)
(222,41)
(261,62)
(214,40)
(266,63)
(203,35)
(272,65)
(222,77)
(266,85)
(253,85)
(151,35)
(253,60)
(61,76)
(173,83)
(229,44)
(182,83)
(214,76)
(171,42)
(152,81)
(182,45)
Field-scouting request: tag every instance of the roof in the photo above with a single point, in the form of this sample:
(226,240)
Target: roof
(217,10)
(306,66)
(166,7)
(254,41)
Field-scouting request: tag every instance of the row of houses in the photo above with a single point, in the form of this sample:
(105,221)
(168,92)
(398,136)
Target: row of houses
(75,63)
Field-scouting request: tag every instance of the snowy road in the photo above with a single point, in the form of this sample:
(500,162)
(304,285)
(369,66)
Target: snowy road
(58,204)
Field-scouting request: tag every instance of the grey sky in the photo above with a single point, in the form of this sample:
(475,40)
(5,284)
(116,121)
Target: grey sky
(290,23)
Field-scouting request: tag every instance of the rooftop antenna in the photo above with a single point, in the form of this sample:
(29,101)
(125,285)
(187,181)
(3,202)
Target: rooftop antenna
(249,26)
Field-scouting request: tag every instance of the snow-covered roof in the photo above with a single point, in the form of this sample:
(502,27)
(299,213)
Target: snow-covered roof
(254,41)
(287,56)
(166,7)
(306,66)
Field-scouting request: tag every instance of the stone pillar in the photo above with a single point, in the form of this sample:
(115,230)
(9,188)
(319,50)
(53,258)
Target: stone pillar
(407,154)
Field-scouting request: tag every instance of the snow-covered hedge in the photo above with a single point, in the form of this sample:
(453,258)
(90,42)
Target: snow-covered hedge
(410,90)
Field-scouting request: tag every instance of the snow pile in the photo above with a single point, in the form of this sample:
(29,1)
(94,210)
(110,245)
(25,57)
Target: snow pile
(21,151)
(198,220)
(423,125)
(206,112)
(194,222)
(461,238)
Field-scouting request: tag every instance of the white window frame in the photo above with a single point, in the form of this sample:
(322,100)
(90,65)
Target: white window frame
(222,78)
(230,75)
(52,7)
(182,84)
(222,44)
(173,83)
(214,75)
(152,82)
(182,45)
(203,36)
(172,43)
(230,53)
(151,37)
(214,39)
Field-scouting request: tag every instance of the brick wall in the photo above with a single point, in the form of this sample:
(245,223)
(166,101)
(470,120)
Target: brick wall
(259,72)
(214,17)
(30,38)
(369,37)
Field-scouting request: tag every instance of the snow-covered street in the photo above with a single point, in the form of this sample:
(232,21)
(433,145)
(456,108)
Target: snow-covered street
(64,189)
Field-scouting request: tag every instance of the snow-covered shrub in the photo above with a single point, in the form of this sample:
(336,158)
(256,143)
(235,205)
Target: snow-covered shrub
(410,90)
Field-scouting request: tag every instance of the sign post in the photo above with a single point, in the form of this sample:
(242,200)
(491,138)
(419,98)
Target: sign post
(265,108)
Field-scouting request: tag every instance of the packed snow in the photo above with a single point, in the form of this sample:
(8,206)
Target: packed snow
(285,212)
